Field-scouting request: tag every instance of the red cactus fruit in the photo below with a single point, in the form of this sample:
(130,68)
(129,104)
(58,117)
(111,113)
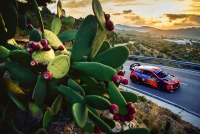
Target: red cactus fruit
(113,108)
(125,81)
(130,105)
(39,29)
(30,26)
(36,46)
(121,72)
(47,75)
(43,42)
(34,63)
(109,25)
(121,78)
(107,16)
(29,50)
(31,44)
(64,43)
(122,118)
(116,79)
(129,117)
(47,47)
(44,63)
(132,110)
(97,130)
(116,117)
(61,48)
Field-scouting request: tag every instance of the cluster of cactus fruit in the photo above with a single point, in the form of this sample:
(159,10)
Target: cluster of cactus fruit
(84,78)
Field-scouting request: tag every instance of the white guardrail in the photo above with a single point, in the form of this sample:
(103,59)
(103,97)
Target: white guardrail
(178,63)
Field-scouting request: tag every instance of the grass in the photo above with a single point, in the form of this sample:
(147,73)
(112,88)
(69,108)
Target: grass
(155,118)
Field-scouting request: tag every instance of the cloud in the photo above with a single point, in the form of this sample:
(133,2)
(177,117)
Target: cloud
(127,11)
(131,4)
(116,14)
(76,4)
(184,19)
(175,16)
(138,20)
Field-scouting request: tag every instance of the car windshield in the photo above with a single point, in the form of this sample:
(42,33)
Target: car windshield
(162,74)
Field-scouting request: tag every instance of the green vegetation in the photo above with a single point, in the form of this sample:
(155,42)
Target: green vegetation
(51,78)
(147,44)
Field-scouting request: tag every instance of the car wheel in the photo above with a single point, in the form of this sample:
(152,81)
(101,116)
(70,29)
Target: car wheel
(133,79)
(161,87)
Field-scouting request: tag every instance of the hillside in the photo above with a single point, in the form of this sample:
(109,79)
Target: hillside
(139,29)
(187,32)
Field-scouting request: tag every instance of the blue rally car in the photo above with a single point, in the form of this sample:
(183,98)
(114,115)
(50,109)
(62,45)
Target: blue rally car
(153,76)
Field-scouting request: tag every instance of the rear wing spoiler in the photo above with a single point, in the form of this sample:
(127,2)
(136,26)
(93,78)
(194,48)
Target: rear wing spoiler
(132,66)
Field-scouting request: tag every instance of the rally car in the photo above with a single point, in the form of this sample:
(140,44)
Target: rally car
(153,76)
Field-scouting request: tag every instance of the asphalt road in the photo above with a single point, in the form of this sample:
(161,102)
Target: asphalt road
(187,96)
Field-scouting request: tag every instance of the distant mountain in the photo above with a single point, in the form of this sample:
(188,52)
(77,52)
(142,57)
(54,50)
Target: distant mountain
(186,32)
(139,29)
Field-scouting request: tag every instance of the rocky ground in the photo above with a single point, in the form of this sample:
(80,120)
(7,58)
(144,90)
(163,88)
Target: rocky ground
(149,115)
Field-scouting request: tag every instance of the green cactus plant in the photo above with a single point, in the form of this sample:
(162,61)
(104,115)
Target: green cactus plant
(50,77)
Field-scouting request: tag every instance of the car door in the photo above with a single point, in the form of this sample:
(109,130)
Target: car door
(152,79)
(149,78)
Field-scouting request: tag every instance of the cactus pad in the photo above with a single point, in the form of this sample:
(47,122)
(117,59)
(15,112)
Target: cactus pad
(99,123)
(71,95)
(114,57)
(96,70)
(98,41)
(84,38)
(56,105)
(68,20)
(35,110)
(67,35)
(56,25)
(11,21)
(80,113)
(59,9)
(42,55)
(59,66)
(46,118)
(115,97)
(72,84)
(16,101)
(97,102)
(38,14)
(52,39)
(35,35)
(129,96)
(39,92)
(24,76)
(105,46)
(97,9)
(4,53)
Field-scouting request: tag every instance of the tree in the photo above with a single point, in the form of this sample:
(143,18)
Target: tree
(24,5)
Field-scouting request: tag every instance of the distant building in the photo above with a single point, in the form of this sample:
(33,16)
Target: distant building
(180,42)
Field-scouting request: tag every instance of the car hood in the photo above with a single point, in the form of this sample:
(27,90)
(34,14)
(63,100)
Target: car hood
(170,78)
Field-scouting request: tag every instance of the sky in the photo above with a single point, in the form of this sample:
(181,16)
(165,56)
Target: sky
(162,14)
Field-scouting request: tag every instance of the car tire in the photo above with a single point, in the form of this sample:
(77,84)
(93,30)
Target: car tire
(161,87)
(133,79)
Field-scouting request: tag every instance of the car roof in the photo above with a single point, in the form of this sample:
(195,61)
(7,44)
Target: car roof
(149,68)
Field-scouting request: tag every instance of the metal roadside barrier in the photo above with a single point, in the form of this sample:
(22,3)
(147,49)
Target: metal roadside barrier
(180,64)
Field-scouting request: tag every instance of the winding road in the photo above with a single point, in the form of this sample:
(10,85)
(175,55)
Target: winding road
(186,97)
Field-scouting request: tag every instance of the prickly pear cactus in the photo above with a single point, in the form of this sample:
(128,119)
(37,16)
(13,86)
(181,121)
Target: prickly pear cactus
(44,76)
